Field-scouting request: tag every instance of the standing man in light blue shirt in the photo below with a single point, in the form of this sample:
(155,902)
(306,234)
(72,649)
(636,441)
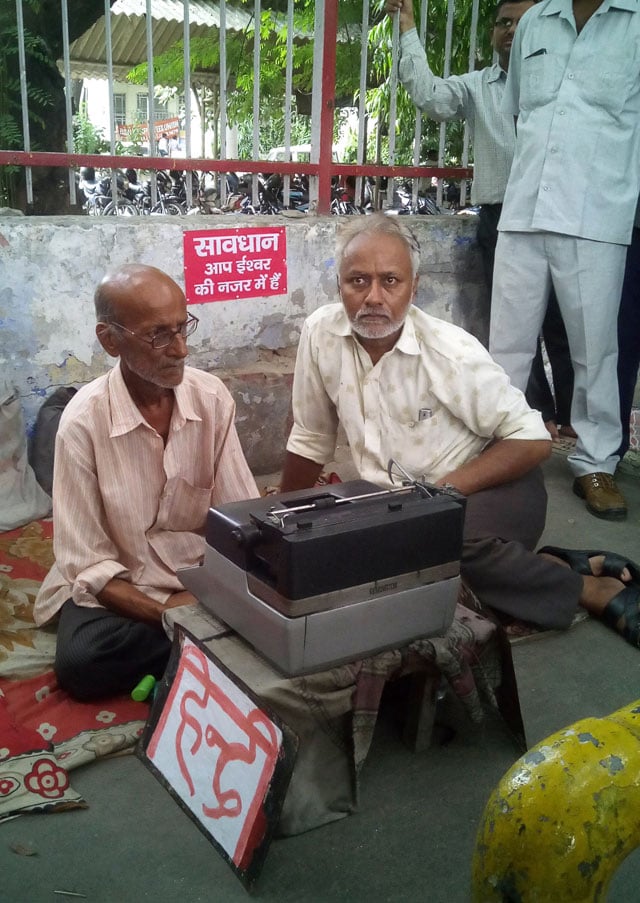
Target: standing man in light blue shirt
(477,97)
(574,84)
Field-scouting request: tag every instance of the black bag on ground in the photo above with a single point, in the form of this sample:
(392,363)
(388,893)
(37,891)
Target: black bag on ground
(42,442)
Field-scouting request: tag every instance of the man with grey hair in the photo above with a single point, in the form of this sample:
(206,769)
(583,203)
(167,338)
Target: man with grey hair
(410,387)
(141,455)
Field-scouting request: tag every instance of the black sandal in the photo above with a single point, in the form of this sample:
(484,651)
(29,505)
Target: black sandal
(578,560)
(625,605)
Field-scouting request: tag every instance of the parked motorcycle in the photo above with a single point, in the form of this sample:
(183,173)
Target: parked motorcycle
(99,200)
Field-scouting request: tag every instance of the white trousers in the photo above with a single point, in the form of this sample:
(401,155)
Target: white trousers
(587,277)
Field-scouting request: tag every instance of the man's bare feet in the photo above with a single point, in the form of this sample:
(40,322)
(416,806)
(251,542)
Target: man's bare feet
(598,591)
(596,563)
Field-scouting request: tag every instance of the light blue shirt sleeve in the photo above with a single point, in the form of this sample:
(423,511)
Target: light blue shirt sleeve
(511,97)
(440,98)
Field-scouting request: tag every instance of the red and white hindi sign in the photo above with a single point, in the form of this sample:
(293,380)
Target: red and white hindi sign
(218,751)
(227,264)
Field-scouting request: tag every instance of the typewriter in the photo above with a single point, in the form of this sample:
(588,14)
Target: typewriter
(332,574)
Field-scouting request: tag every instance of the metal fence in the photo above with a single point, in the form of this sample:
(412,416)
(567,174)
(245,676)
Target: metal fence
(321,170)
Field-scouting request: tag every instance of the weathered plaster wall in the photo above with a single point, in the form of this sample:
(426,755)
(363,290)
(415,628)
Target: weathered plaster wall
(49,268)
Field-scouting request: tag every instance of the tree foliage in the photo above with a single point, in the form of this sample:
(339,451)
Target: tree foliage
(205,57)
(43,46)
(272,30)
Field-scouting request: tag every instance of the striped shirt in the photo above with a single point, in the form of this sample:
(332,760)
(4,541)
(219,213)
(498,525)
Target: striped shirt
(125,504)
(474,96)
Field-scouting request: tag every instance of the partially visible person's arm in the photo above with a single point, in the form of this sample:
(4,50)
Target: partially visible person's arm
(440,98)
(312,439)
(299,473)
(477,391)
(511,96)
(122,598)
(503,461)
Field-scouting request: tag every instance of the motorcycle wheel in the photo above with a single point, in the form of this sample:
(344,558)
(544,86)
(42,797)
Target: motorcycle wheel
(123,209)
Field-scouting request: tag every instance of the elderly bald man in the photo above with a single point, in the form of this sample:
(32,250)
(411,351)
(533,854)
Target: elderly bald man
(141,454)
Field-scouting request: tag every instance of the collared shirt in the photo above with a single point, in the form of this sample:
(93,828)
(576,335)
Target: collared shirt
(433,402)
(576,168)
(474,96)
(125,504)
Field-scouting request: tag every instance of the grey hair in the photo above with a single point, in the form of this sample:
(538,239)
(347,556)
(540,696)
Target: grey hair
(377,224)
(103,303)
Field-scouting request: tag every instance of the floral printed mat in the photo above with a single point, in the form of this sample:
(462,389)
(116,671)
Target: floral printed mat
(43,732)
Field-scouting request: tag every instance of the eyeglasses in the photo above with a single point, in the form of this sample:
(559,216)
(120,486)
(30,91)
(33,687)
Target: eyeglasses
(162,338)
(505,23)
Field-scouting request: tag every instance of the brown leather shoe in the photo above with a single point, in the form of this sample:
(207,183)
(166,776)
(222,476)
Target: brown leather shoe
(602,496)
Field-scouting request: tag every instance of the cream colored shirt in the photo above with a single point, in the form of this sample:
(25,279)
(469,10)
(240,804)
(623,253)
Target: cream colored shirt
(124,504)
(432,402)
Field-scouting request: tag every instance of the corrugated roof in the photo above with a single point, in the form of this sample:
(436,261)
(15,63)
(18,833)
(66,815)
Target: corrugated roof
(201,12)
(88,57)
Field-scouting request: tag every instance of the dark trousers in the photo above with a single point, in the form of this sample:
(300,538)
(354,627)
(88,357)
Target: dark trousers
(539,394)
(99,653)
(502,527)
(629,337)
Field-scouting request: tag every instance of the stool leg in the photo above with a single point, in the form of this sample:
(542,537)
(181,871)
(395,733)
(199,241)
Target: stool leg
(421,711)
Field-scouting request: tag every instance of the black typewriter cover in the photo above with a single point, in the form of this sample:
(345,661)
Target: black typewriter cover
(342,539)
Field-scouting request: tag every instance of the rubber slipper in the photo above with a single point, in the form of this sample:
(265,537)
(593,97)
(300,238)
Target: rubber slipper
(625,605)
(578,560)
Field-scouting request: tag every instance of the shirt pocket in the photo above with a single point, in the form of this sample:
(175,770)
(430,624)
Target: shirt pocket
(605,81)
(412,439)
(184,507)
(540,80)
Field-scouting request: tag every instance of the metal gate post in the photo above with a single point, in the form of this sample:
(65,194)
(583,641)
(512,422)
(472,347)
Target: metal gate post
(324,89)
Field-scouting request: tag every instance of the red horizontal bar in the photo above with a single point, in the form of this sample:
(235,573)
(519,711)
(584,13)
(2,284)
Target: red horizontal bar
(379,169)
(106,161)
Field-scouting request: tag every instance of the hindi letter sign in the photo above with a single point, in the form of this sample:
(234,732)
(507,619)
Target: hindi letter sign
(224,759)
(227,264)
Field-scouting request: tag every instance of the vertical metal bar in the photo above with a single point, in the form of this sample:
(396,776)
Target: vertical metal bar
(109,57)
(417,135)
(67,98)
(150,81)
(151,119)
(288,98)
(473,43)
(112,112)
(393,104)
(446,73)
(362,102)
(257,14)
(323,103)
(222,119)
(187,96)
(316,99)
(26,137)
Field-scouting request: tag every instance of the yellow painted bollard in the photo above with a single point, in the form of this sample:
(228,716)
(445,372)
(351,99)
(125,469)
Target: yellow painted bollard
(564,817)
